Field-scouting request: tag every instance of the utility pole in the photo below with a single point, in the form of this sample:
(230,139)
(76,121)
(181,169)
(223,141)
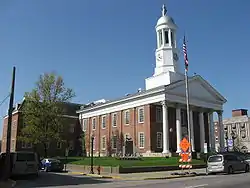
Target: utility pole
(8,161)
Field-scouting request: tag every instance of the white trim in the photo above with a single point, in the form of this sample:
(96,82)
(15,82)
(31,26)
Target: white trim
(125,106)
(104,122)
(138,116)
(125,118)
(139,133)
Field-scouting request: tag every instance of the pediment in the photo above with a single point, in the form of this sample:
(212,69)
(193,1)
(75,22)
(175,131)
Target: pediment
(198,89)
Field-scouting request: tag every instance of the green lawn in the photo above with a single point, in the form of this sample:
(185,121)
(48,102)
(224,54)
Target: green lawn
(146,161)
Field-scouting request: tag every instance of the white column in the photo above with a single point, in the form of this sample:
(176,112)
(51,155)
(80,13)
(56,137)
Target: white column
(165,128)
(211,131)
(169,37)
(202,130)
(178,128)
(163,37)
(192,130)
(221,129)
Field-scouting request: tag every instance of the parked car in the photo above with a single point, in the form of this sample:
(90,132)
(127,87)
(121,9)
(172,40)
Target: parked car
(226,163)
(23,163)
(52,165)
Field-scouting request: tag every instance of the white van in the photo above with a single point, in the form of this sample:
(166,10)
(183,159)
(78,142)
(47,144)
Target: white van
(24,163)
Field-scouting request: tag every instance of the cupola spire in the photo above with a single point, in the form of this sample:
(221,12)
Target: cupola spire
(164,10)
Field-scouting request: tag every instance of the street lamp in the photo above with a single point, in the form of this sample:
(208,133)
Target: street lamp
(226,137)
(92,150)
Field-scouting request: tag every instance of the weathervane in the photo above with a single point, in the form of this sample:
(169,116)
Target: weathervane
(164,10)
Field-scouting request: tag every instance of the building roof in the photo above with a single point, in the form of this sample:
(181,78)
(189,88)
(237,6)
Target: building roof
(93,106)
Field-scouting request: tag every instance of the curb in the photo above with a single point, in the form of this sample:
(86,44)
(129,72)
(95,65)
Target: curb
(120,178)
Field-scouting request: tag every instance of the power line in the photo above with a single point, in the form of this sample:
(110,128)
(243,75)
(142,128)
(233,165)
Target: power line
(4,99)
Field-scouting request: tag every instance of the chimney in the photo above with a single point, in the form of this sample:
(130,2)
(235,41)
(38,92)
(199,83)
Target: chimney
(239,112)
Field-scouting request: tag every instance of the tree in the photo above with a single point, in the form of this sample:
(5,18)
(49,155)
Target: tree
(43,109)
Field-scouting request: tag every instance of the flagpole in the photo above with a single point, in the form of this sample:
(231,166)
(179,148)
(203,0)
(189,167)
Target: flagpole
(188,110)
(187,94)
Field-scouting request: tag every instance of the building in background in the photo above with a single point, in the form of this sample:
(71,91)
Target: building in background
(153,121)
(72,130)
(239,126)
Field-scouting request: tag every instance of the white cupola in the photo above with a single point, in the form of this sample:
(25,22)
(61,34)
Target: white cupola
(166,54)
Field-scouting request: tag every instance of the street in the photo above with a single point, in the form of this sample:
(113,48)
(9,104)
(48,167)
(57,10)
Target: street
(55,180)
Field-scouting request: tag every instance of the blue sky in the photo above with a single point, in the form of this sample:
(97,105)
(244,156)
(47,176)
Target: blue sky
(105,49)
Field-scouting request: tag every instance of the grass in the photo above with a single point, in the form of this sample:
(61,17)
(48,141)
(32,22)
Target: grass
(146,161)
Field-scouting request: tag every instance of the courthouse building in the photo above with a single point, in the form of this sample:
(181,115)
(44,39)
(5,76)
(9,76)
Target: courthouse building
(155,119)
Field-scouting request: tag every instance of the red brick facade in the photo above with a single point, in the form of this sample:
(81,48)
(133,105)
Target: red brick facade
(150,127)
(72,131)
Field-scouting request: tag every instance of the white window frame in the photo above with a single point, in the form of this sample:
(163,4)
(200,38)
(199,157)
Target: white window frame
(93,123)
(29,145)
(126,113)
(114,141)
(139,140)
(159,135)
(103,121)
(114,120)
(158,114)
(104,143)
(47,145)
(85,124)
(139,115)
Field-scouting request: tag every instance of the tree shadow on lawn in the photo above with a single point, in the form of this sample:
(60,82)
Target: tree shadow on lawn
(54,180)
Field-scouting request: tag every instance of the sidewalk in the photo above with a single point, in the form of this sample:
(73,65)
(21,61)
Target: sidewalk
(76,169)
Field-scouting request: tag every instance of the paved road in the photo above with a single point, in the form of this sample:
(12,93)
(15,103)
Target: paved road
(50,180)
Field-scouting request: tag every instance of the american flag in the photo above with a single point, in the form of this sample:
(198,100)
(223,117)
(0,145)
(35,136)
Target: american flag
(185,53)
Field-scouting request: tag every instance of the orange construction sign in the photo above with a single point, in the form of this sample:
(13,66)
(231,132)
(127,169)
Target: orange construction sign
(184,157)
(184,144)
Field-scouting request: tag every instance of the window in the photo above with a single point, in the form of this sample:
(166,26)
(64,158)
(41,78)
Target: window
(103,122)
(183,118)
(114,142)
(14,125)
(23,144)
(242,126)
(159,139)
(215,158)
(141,140)
(234,126)
(47,145)
(160,38)
(28,145)
(72,128)
(172,38)
(93,124)
(13,145)
(114,120)
(71,145)
(166,37)
(141,115)
(25,157)
(127,117)
(103,142)
(243,134)
(158,114)
(59,145)
(85,124)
